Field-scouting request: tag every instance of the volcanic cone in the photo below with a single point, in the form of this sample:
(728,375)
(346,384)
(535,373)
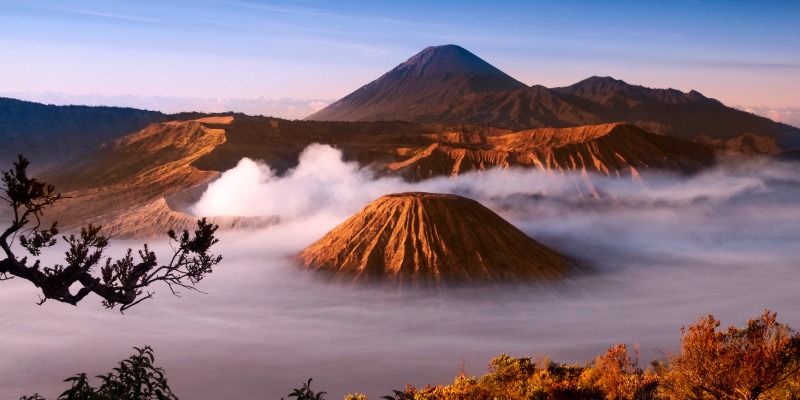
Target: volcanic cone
(427,239)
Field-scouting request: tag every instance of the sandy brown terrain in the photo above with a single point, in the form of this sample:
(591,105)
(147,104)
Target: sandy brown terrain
(142,184)
(425,239)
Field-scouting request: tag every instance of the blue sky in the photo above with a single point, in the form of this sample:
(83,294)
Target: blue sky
(744,53)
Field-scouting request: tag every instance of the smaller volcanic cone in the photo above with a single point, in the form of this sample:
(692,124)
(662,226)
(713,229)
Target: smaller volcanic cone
(427,239)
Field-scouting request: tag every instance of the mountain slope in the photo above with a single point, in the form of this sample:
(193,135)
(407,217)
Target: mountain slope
(447,84)
(141,183)
(596,100)
(421,151)
(48,134)
(425,239)
(134,185)
(672,112)
(423,85)
(610,149)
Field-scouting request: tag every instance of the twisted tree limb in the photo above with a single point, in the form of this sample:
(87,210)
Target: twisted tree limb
(120,282)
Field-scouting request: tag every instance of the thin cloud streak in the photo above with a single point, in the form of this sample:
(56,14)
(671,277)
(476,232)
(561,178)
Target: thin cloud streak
(311,12)
(626,32)
(746,64)
(115,16)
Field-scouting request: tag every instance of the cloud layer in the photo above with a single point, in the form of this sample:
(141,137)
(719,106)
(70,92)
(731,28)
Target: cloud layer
(323,183)
(667,250)
(787,115)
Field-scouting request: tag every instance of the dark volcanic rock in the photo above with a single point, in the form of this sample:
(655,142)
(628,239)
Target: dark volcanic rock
(422,86)
(448,84)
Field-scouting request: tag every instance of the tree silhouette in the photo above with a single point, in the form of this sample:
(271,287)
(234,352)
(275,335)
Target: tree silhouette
(135,378)
(120,282)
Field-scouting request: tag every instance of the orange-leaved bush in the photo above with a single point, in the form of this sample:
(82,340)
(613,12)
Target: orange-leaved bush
(761,360)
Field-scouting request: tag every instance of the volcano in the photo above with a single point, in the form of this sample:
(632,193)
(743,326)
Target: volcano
(424,85)
(427,240)
(448,84)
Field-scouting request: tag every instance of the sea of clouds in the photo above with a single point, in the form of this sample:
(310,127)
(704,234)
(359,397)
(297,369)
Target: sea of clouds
(666,249)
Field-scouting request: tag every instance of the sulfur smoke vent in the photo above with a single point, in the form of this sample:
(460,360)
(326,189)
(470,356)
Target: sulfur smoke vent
(426,239)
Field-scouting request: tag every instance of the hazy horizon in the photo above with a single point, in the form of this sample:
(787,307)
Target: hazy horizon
(743,54)
(286,108)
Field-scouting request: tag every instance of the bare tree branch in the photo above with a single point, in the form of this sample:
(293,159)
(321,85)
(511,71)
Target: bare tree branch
(121,281)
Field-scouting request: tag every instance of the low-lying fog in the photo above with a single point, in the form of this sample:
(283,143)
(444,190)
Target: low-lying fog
(667,250)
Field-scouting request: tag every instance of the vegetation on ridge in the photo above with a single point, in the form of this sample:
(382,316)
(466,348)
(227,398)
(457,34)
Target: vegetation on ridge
(759,361)
(135,378)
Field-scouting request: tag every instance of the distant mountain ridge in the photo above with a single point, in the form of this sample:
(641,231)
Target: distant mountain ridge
(466,89)
(422,84)
(48,134)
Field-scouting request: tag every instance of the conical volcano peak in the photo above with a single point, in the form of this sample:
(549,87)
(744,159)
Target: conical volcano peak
(447,60)
(428,240)
(420,88)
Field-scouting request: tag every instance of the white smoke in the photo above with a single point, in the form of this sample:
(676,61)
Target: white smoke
(323,183)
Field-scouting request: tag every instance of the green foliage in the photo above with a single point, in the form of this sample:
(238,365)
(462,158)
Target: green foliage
(35,396)
(136,378)
(398,395)
(305,393)
(28,198)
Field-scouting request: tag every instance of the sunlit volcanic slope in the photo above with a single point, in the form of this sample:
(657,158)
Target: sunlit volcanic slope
(140,184)
(744,144)
(426,239)
(420,88)
(611,149)
(129,184)
(421,151)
